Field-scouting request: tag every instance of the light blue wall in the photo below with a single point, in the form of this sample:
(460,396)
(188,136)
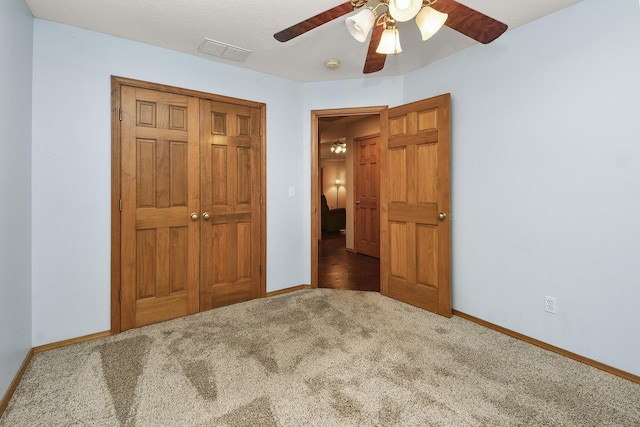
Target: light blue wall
(72,170)
(546,178)
(16,40)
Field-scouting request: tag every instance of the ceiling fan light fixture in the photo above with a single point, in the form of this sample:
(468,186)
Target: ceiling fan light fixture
(429,21)
(404,10)
(361,23)
(339,148)
(389,42)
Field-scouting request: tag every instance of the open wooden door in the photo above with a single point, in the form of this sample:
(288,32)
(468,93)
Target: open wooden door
(415,231)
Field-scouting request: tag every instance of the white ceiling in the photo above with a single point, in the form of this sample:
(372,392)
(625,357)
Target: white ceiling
(182,25)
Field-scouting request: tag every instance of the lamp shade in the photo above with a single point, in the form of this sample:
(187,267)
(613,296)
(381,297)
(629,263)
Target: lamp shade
(404,10)
(429,21)
(360,24)
(389,42)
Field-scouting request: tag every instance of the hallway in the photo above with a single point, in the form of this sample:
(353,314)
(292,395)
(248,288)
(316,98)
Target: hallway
(342,269)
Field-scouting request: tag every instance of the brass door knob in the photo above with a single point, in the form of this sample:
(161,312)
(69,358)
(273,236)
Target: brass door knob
(206,216)
(442,216)
(194,216)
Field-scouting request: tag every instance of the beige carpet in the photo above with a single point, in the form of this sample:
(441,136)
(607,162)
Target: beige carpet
(318,358)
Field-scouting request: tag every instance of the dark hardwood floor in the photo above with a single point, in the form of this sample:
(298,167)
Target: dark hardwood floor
(341,269)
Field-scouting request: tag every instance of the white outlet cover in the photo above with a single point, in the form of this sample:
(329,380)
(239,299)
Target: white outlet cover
(550,305)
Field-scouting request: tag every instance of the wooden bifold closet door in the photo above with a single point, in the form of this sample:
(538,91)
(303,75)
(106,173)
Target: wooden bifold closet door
(191,182)
(230,159)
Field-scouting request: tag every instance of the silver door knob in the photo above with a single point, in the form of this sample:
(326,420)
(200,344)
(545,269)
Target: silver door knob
(442,216)
(206,216)
(194,216)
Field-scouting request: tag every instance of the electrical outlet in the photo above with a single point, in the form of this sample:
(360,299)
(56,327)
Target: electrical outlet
(550,304)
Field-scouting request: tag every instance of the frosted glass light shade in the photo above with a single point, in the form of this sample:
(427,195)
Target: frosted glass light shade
(404,10)
(360,24)
(389,42)
(429,21)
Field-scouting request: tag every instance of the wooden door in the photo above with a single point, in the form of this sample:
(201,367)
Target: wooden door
(159,193)
(367,201)
(230,172)
(415,198)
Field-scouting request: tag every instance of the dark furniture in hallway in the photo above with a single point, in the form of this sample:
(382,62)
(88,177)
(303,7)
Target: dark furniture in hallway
(332,219)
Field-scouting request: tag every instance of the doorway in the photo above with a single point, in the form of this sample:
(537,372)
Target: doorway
(335,261)
(415,199)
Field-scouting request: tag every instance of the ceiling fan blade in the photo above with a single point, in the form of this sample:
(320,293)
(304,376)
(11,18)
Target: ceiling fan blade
(375,61)
(313,22)
(470,22)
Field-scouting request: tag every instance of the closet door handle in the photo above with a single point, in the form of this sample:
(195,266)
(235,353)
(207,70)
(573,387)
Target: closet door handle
(206,216)
(194,216)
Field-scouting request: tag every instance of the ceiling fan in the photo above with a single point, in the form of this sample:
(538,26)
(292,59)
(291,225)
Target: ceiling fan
(381,16)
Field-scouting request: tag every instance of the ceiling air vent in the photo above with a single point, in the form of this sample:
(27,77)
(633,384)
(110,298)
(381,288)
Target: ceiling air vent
(223,50)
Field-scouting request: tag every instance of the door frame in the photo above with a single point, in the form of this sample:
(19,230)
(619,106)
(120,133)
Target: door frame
(315,164)
(116,156)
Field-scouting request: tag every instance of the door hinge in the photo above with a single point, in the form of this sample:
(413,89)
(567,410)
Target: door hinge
(260,200)
(120,205)
(120,295)
(260,269)
(120,114)
(260,131)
